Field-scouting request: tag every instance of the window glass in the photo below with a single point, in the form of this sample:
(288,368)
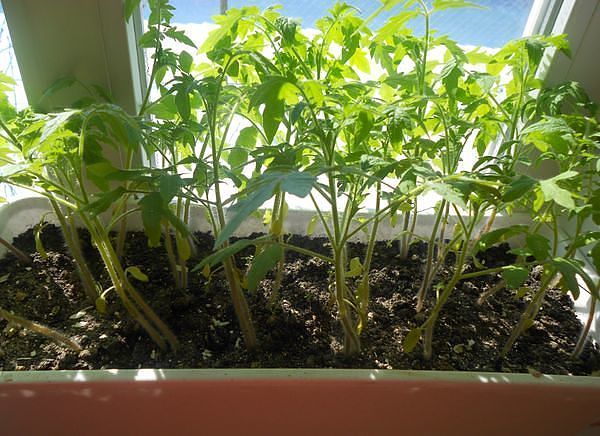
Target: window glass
(9,67)
(492,25)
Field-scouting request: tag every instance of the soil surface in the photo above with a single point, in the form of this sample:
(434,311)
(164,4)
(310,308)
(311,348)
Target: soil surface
(299,330)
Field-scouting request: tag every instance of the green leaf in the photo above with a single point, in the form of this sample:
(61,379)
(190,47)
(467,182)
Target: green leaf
(262,264)
(39,245)
(269,94)
(297,183)
(179,35)
(449,193)
(137,273)
(595,254)
(568,270)
(55,123)
(148,39)
(169,186)
(585,238)
(518,188)
(62,83)
(184,250)
(312,225)
(130,7)
(182,101)
(411,339)
(440,5)
(104,201)
(514,276)
(239,212)
(496,236)
(356,268)
(152,214)
(166,109)
(559,195)
(550,133)
(246,140)
(185,61)
(539,246)
(222,254)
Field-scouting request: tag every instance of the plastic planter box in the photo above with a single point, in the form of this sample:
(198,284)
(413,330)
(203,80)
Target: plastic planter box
(290,402)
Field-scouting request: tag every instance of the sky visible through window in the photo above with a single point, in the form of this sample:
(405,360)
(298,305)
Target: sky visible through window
(498,22)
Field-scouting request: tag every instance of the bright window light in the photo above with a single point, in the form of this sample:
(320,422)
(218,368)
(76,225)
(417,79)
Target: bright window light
(492,25)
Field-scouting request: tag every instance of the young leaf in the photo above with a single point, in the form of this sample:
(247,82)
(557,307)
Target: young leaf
(559,195)
(182,101)
(449,193)
(411,339)
(56,122)
(222,254)
(137,273)
(297,183)
(104,201)
(539,246)
(59,84)
(169,186)
(440,5)
(356,268)
(184,250)
(185,61)
(262,264)
(519,187)
(269,94)
(243,209)
(312,224)
(499,235)
(514,276)
(568,270)
(39,245)
(152,207)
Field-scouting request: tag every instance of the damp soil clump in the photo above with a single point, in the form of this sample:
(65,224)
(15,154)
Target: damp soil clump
(299,331)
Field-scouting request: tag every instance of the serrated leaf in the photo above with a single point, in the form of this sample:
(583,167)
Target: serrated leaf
(557,194)
(169,186)
(518,188)
(55,123)
(269,94)
(298,183)
(411,339)
(539,246)
(104,201)
(262,264)
(62,83)
(568,270)
(449,193)
(514,276)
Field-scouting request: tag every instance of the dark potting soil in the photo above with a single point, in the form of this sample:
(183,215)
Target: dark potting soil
(300,330)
